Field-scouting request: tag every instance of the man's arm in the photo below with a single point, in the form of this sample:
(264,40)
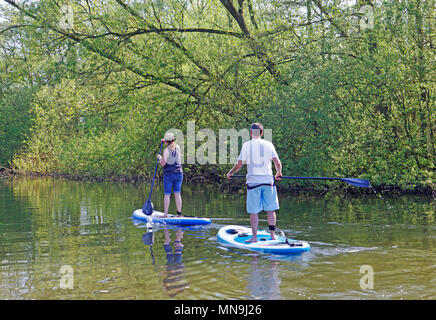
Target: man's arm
(278,166)
(236,168)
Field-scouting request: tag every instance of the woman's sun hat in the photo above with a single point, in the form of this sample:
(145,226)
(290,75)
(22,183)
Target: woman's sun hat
(169,137)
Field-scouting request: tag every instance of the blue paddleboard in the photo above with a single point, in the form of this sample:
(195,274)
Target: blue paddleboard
(236,236)
(157,217)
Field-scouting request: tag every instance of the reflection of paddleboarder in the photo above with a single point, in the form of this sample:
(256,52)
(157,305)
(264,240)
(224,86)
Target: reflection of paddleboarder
(174,281)
(148,239)
(263,280)
(175,257)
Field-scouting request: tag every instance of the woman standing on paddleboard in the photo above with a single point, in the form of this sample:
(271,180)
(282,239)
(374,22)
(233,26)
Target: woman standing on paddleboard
(171,162)
(257,154)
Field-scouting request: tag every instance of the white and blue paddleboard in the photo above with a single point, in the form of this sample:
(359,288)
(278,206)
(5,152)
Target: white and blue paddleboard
(157,217)
(236,236)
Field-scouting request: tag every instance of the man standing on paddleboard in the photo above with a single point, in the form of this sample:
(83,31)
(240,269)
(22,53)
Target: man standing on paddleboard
(257,154)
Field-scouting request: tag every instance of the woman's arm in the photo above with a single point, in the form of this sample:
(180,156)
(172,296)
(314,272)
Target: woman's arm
(163,160)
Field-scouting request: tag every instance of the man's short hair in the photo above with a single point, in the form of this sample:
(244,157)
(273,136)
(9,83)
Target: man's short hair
(257,128)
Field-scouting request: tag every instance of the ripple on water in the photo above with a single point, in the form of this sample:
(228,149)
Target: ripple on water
(47,223)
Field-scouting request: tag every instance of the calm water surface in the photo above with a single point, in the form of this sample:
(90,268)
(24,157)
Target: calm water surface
(54,230)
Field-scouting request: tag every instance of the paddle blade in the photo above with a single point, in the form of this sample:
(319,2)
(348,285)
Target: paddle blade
(361,183)
(147,208)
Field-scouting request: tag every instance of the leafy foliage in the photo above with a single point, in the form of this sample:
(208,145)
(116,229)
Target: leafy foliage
(343,96)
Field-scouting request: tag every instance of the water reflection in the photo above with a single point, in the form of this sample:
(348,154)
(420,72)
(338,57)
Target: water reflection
(148,239)
(47,223)
(174,280)
(176,256)
(263,280)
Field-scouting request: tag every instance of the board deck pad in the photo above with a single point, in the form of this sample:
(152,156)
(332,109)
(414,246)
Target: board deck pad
(157,217)
(260,238)
(236,236)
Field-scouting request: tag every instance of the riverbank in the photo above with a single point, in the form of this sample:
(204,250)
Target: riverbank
(225,185)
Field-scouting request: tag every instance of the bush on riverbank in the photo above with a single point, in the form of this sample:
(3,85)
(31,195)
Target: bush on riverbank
(342,98)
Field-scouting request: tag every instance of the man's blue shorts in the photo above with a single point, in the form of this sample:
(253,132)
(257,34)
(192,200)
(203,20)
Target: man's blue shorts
(262,198)
(173,181)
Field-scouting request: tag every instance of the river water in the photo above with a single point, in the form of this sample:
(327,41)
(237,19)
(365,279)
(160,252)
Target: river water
(61,239)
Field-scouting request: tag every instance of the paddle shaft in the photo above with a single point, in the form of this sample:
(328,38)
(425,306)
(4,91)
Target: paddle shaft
(154,175)
(353,181)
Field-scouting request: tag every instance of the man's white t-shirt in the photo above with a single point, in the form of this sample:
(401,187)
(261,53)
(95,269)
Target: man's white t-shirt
(258,154)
